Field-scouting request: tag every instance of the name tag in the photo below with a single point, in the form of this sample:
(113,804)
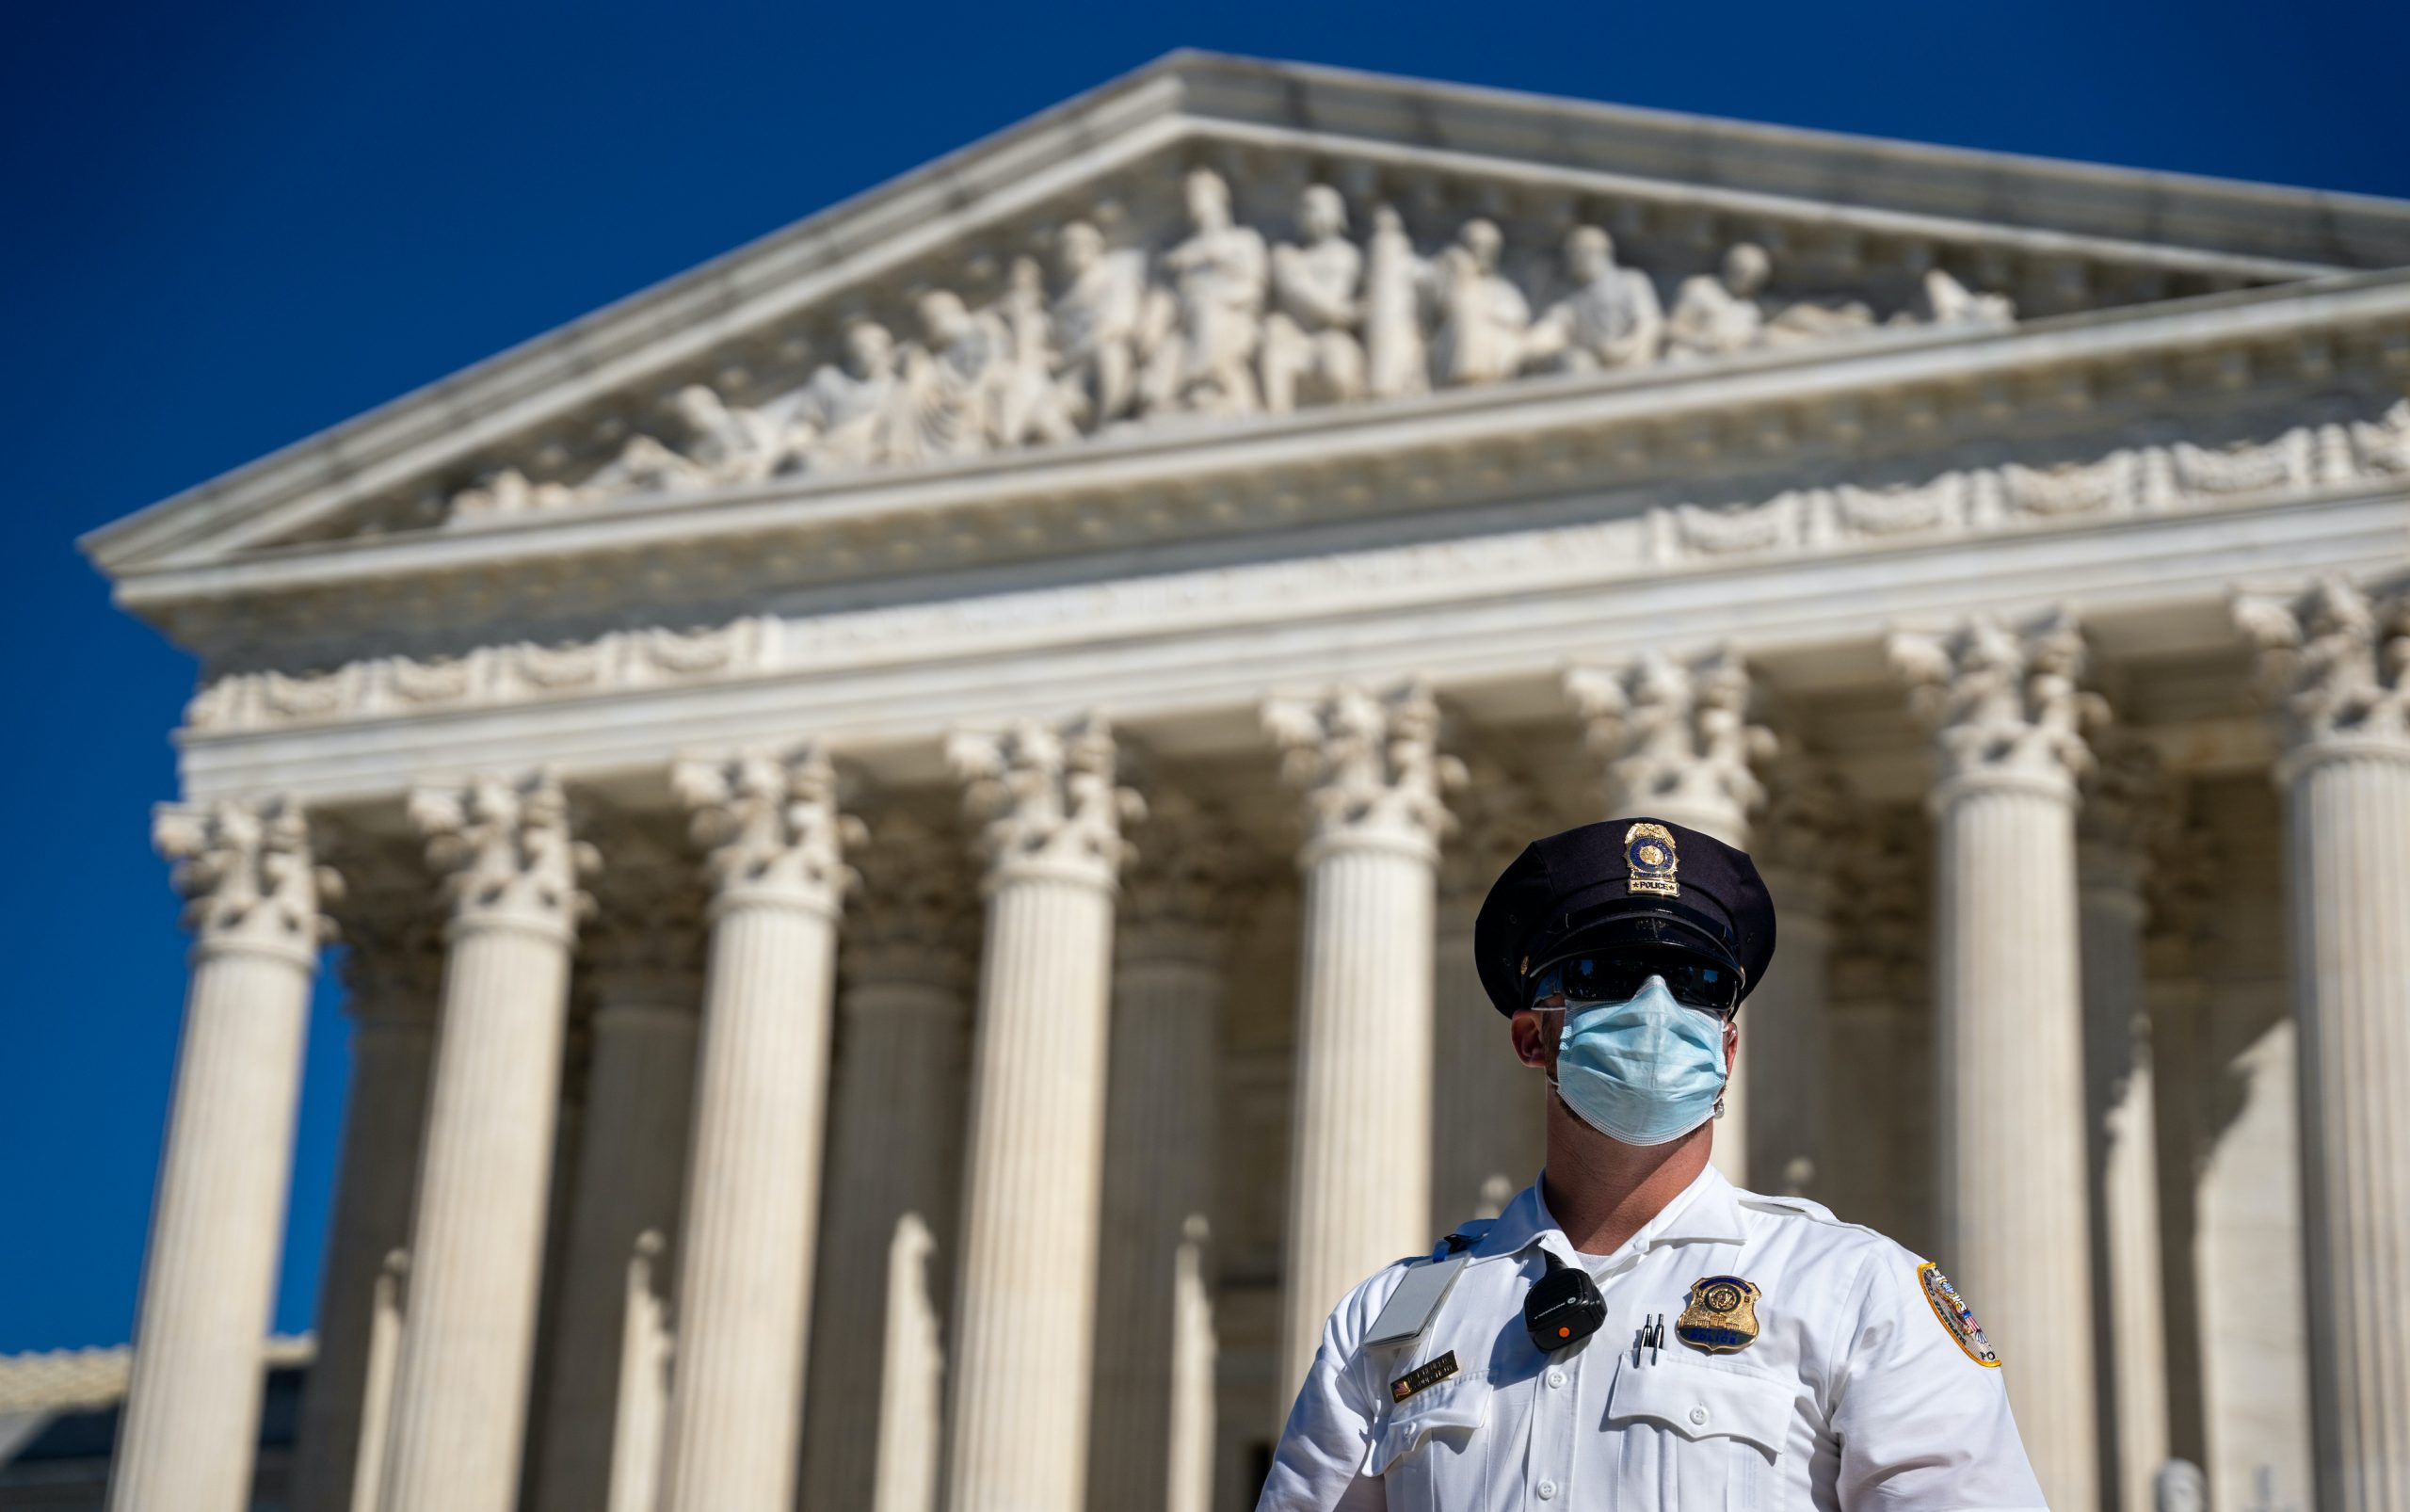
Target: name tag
(1422,1378)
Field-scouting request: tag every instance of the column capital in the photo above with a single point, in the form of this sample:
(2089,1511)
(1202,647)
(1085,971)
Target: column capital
(1046,799)
(917,920)
(247,877)
(503,847)
(772,824)
(1369,765)
(1810,815)
(643,950)
(2127,803)
(2002,701)
(2335,665)
(1498,812)
(1675,737)
(1882,878)
(1176,901)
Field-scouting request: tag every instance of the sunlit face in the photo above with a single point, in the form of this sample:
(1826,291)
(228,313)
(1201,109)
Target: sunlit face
(1483,240)
(1589,253)
(1209,199)
(1746,269)
(1082,246)
(1321,212)
(868,349)
(942,317)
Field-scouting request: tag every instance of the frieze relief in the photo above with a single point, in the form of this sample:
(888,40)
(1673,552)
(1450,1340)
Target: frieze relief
(2167,476)
(1092,331)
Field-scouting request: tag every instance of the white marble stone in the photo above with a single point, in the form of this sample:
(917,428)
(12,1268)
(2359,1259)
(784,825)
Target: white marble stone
(1360,1185)
(511,871)
(745,1254)
(896,1135)
(392,975)
(644,954)
(2013,1230)
(1163,1127)
(192,1404)
(2335,659)
(1023,1326)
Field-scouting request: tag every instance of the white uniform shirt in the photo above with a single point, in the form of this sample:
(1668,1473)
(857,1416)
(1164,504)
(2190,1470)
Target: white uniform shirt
(1854,1394)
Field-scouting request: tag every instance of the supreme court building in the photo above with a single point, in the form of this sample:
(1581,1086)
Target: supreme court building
(903,810)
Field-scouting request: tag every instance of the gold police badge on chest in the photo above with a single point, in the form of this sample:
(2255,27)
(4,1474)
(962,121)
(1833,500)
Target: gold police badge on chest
(1720,1315)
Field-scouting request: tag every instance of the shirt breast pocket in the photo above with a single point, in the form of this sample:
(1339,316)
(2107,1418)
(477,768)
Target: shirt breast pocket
(1430,1451)
(1699,1439)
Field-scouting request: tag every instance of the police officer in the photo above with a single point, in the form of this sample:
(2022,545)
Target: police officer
(1633,1331)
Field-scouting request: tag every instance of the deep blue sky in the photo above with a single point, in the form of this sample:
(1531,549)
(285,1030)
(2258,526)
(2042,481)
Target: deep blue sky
(224,227)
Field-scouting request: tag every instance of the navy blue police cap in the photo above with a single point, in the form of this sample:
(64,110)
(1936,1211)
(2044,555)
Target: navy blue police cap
(1625,883)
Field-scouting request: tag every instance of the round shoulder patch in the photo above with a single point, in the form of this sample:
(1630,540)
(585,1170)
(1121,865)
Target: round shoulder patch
(1956,1316)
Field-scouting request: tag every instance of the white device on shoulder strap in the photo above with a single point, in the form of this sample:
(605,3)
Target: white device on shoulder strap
(1416,1301)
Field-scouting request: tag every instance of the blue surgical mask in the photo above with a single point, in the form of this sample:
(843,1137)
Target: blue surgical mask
(1645,1070)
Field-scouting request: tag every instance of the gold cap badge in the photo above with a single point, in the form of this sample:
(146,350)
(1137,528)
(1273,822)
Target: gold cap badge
(1648,850)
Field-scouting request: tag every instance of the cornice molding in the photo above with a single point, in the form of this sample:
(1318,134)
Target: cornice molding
(2128,483)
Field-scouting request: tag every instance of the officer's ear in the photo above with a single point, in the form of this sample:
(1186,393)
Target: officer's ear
(1534,1035)
(1733,1040)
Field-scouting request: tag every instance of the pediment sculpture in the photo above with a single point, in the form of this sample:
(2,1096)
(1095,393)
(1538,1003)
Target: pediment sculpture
(1220,321)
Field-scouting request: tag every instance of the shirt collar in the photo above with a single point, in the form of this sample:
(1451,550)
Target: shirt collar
(1704,1213)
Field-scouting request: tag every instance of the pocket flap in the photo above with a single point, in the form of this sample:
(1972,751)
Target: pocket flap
(1462,1404)
(1705,1403)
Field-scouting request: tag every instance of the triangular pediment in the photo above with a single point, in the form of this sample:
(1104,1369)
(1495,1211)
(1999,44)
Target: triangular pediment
(1210,243)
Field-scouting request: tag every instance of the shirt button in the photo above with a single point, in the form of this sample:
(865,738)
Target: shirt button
(1547,1490)
(1556,1377)
(1698,1417)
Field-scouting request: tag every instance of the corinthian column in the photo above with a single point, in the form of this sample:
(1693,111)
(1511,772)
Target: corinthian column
(1360,1175)
(1489,1110)
(192,1407)
(1161,1129)
(2337,661)
(2012,1221)
(644,962)
(1809,813)
(753,1188)
(392,968)
(2124,804)
(510,871)
(1027,1292)
(895,1165)
(1675,742)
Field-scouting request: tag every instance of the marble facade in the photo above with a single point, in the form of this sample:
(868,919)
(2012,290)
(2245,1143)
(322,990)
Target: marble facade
(905,807)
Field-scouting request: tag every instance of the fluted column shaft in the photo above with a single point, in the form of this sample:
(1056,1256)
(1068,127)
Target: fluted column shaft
(1360,1169)
(1787,1025)
(461,1385)
(1489,1110)
(2010,1210)
(392,1054)
(1026,1280)
(1162,1126)
(192,1406)
(2337,660)
(477,1232)
(1358,1195)
(895,1150)
(753,1184)
(2012,1219)
(1677,746)
(2124,1124)
(631,1162)
(2348,865)
(1036,1147)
